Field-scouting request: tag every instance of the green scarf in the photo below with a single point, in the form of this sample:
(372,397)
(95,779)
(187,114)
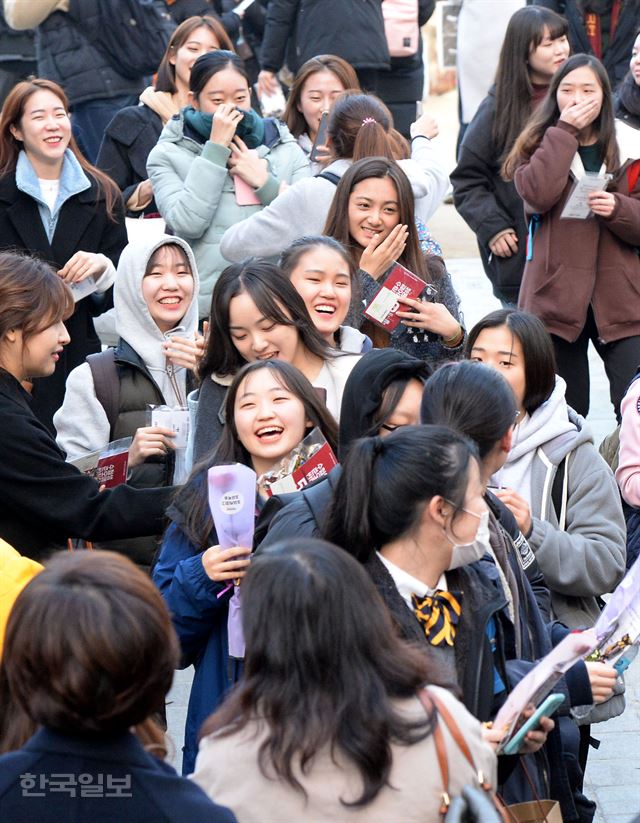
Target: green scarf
(250,128)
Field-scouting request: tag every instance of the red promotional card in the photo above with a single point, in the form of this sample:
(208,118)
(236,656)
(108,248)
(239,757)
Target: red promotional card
(400,282)
(112,470)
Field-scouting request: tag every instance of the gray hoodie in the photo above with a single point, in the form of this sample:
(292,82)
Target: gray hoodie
(81,422)
(585,558)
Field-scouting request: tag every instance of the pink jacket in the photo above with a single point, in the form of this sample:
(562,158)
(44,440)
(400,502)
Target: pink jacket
(628,471)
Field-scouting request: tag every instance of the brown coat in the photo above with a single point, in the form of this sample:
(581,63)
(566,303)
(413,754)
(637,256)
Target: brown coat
(579,262)
(227,769)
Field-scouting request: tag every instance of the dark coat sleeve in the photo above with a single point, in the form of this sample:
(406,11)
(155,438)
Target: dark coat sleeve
(208,428)
(279,27)
(40,491)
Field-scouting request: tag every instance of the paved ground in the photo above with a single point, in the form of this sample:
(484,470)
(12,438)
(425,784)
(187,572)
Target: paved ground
(613,774)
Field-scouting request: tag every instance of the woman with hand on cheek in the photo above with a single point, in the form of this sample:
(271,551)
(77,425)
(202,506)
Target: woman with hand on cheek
(219,162)
(580,273)
(270,407)
(323,274)
(56,206)
(372,215)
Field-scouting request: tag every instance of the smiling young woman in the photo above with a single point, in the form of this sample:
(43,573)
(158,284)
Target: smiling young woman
(155,293)
(43,499)
(269,408)
(55,205)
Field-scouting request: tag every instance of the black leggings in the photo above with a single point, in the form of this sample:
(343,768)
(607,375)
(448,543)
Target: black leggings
(620,358)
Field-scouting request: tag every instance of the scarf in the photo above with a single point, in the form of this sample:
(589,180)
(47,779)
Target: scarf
(250,128)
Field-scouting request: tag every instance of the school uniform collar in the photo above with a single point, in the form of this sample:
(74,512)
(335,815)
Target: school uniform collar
(407,584)
(120,748)
(73,180)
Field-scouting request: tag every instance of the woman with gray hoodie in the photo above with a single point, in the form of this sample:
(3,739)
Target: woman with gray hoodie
(561,492)
(108,397)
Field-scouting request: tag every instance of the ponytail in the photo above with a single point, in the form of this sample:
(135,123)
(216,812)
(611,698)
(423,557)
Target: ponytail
(372,141)
(360,125)
(386,482)
(350,523)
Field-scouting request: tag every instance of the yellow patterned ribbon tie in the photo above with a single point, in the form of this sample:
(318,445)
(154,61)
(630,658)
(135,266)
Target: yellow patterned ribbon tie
(438,614)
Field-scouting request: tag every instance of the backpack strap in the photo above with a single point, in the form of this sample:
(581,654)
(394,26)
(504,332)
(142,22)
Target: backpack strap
(633,173)
(106,383)
(560,492)
(330,176)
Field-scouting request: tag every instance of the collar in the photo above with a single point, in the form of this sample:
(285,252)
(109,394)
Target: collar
(73,180)
(407,584)
(119,748)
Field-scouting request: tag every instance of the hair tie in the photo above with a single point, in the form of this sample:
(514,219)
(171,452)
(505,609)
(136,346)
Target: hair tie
(369,120)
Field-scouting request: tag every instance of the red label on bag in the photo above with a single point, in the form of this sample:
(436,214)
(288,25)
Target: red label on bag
(400,282)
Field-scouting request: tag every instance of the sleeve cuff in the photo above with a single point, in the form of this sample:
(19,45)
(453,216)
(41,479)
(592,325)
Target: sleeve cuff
(215,153)
(268,192)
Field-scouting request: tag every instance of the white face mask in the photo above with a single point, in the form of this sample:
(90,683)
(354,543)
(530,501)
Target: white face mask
(462,555)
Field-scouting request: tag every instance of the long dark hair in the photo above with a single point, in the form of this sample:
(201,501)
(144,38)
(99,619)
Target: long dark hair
(385,481)
(192,498)
(166,77)
(322,667)
(274,296)
(337,224)
(10,147)
(548,113)
(90,648)
(514,89)
(472,399)
(539,357)
(345,73)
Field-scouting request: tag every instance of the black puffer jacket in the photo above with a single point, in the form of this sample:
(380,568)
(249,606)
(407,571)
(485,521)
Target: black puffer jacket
(616,57)
(628,102)
(352,29)
(487,203)
(66,56)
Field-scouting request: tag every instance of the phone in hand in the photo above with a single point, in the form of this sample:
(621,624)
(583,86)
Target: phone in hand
(321,138)
(545,709)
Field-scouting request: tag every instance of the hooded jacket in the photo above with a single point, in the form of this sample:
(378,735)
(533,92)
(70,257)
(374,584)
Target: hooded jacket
(585,558)
(81,422)
(302,210)
(195,194)
(577,263)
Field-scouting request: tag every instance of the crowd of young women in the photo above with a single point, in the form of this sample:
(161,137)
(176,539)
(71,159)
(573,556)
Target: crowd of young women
(471,523)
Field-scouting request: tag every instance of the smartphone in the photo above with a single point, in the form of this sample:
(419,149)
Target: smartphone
(272,105)
(245,194)
(545,709)
(321,139)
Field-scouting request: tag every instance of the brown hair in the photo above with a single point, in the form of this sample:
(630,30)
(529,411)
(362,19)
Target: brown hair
(32,296)
(337,224)
(360,125)
(10,146)
(166,77)
(90,646)
(345,73)
(548,113)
